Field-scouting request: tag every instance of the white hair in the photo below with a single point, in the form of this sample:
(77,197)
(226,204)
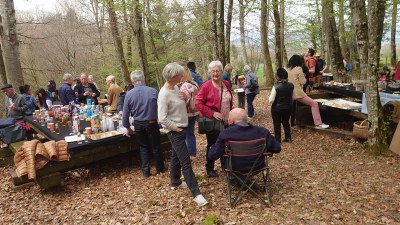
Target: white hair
(171,70)
(110,78)
(137,76)
(247,68)
(214,64)
(66,76)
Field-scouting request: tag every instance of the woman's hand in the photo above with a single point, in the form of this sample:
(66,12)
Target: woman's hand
(218,116)
(182,96)
(178,129)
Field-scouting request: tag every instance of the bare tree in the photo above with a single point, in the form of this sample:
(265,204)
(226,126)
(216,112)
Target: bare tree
(242,34)
(228,32)
(333,40)
(10,44)
(3,77)
(128,32)
(393,33)
(221,32)
(214,29)
(342,36)
(278,39)
(268,72)
(369,34)
(119,51)
(139,34)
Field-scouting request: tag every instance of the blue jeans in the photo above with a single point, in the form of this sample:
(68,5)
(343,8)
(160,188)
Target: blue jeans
(148,137)
(190,137)
(250,109)
(180,161)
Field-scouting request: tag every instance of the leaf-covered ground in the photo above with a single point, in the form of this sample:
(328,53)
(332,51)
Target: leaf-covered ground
(318,179)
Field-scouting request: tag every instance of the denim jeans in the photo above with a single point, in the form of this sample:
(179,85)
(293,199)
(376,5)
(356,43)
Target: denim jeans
(250,109)
(180,160)
(148,136)
(190,137)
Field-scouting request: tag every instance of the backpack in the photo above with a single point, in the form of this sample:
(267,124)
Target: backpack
(253,84)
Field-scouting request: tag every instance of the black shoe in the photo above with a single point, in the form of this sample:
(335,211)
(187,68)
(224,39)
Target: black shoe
(212,173)
(287,140)
(146,174)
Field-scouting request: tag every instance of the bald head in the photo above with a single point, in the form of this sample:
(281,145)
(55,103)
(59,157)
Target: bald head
(237,115)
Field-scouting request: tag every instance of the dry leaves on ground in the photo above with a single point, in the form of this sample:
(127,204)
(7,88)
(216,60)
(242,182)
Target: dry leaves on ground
(318,179)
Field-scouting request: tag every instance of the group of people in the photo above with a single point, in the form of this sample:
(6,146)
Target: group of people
(182,98)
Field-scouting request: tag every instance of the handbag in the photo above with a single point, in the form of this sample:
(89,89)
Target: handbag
(211,125)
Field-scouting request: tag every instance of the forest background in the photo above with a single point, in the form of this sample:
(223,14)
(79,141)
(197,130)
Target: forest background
(103,37)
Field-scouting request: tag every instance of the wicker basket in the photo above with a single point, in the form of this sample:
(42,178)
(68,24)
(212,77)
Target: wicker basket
(360,129)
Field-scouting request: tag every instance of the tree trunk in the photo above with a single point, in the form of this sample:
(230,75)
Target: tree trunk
(268,71)
(99,22)
(393,57)
(119,51)
(159,78)
(242,34)
(3,77)
(368,40)
(214,30)
(221,32)
(333,41)
(320,31)
(138,30)
(128,35)
(342,36)
(10,44)
(282,21)
(278,39)
(354,56)
(228,32)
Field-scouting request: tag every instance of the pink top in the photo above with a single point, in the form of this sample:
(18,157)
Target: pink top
(191,89)
(208,99)
(397,75)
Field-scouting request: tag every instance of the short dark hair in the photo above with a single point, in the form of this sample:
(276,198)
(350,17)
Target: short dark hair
(191,65)
(295,60)
(311,51)
(281,73)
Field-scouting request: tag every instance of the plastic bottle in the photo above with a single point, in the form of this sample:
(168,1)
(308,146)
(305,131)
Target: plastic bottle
(57,128)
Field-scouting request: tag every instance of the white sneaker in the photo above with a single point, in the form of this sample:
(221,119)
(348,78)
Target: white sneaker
(200,200)
(182,185)
(322,126)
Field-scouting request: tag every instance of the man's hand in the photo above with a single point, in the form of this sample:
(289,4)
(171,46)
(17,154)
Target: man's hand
(94,95)
(129,132)
(11,107)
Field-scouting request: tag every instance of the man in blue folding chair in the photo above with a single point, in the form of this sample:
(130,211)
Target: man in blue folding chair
(245,147)
(241,130)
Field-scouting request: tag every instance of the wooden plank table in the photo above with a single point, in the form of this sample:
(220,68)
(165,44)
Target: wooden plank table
(81,154)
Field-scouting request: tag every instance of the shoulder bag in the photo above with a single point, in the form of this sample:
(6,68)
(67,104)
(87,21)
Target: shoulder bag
(211,125)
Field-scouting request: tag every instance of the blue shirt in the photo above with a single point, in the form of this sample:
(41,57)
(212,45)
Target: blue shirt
(242,132)
(140,103)
(66,94)
(196,77)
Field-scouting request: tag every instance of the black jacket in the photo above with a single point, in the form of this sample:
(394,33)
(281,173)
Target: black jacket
(81,90)
(284,93)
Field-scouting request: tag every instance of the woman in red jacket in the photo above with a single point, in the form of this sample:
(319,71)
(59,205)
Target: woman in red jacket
(210,104)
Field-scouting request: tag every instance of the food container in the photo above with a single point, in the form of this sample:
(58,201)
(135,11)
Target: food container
(88,130)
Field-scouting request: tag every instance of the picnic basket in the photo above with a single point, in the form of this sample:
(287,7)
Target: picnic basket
(360,129)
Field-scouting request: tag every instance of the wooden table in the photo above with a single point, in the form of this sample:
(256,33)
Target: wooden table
(81,154)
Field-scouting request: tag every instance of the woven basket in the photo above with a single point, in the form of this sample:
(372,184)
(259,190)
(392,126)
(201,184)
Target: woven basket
(360,129)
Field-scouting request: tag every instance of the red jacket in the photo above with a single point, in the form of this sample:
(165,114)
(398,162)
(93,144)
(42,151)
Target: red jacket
(208,99)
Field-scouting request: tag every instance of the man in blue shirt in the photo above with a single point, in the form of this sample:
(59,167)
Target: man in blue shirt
(141,104)
(65,93)
(227,73)
(196,77)
(240,130)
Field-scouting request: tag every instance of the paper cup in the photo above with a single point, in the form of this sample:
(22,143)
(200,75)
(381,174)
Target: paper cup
(88,130)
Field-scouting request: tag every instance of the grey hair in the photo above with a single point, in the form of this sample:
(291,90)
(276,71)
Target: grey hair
(171,70)
(66,76)
(137,76)
(214,64)
(111,78)
(246,68)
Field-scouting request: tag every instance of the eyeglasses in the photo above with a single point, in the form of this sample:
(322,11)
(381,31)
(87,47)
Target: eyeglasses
(215,71)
